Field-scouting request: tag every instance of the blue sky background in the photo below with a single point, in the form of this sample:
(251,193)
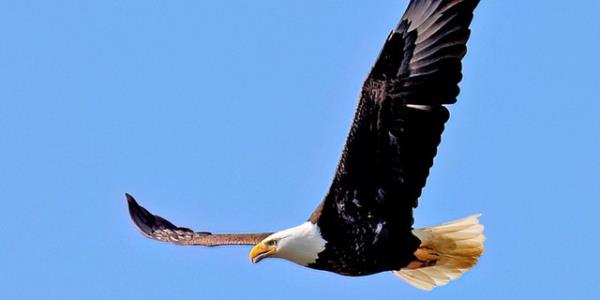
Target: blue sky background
(231,115)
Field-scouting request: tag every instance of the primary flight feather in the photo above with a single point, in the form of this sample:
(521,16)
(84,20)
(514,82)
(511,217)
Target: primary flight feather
(364,224)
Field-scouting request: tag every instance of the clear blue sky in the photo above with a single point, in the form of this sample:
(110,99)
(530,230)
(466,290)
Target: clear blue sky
(231,115)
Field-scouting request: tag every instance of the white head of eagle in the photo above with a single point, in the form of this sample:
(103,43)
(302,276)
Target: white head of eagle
(301,244)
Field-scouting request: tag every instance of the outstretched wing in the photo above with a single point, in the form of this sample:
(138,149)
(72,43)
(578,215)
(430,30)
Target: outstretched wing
(160,229)
(398,123)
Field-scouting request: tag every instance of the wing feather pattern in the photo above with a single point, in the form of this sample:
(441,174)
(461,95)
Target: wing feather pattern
(398,126)
(160,229)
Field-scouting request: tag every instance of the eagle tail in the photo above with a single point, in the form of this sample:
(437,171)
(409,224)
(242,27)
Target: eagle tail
(446,252)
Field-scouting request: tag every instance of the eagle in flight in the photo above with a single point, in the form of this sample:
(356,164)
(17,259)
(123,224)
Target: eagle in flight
(364,223)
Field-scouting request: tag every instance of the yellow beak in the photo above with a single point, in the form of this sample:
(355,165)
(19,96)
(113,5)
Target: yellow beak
(260,252)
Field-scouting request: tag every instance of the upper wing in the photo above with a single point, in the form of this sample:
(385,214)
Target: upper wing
(399,120)
(158,228)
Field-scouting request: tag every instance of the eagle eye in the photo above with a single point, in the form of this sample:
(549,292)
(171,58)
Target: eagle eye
(272,243)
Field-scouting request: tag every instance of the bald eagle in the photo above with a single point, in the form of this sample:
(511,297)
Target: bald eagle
(364,225)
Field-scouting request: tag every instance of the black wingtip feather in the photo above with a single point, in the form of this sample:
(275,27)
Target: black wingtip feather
(142,218)
(148,224)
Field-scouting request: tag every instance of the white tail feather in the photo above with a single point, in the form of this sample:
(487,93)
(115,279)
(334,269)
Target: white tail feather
(458,243)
